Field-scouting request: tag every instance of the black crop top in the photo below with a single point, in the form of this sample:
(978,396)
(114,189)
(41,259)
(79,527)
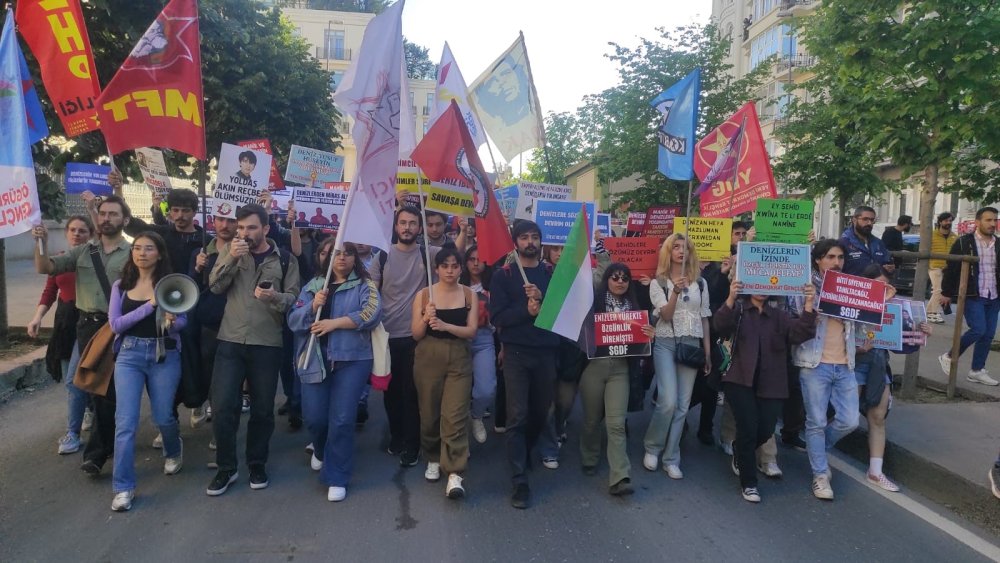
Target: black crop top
(145,328)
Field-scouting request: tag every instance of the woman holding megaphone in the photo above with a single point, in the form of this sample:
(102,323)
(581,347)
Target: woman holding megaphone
(148,355)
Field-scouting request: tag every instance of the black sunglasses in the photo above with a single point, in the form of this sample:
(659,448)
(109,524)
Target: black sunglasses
(620,277)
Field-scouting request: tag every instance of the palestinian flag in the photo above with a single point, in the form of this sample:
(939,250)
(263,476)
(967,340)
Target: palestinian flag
(570,295)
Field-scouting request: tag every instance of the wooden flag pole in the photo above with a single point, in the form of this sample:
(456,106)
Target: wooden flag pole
(423,223)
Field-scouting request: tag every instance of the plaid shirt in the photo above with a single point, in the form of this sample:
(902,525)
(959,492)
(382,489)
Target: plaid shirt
(987,266)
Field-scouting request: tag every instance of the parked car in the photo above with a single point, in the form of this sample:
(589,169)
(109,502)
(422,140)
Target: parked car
(907,269)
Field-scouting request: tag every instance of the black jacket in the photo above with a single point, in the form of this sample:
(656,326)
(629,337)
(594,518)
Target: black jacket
(966,246)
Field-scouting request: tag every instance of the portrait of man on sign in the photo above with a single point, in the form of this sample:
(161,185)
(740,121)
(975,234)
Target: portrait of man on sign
(248,161)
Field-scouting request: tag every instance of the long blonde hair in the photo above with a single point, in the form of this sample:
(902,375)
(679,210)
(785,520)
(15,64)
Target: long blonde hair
(691,266)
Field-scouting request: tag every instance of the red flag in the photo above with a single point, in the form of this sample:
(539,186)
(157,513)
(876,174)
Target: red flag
(754,179)
(155,98)
(448,155)
(58,38)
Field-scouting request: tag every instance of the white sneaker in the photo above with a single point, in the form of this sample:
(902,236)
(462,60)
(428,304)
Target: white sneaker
(336,494)
(945,361)
(315,463)
(69,444)
(454,489)
(172,465)
(198,417)
(88,420)
(309,448)
(770,469)
(981,376)
(212,445)
(433,471)
(821,487)
(479,430)
(550,463)
(158,442)
(727,448)
(650,461)
(673,471)
(122,501)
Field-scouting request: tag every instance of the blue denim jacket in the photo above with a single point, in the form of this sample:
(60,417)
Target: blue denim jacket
(809,353)
(357,299)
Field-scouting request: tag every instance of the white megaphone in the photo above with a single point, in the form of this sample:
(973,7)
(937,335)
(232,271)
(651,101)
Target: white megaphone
(177,294)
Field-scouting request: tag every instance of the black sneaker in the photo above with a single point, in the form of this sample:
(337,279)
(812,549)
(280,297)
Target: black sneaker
(362,416)
(706,438)
(91,467)
(258,477)
(283,409)
(590,470)
(408,459)
(394,449)
(521,497)
(220,484)
(294,422)
(622,488)
(794,442)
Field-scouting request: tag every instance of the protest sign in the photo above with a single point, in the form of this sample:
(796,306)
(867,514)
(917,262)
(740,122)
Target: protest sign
(660,221)
(888,335)
(914,313)
(852,298)
(528,192)
(772,269)
(640,254)
(507,198)
(82,177)
(637,222)
(319,208)
(406,180)
(711,237)
(604,224)
(450,199)
(313,167)
(209,225)
(620,334)
(154,170)
(274,181)
(784,220)
(242,176)
(555,218)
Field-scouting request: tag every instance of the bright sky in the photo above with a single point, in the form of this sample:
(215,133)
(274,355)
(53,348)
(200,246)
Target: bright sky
(566,40)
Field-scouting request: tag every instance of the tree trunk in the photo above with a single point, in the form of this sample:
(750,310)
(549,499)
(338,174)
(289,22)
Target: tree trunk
(927,197)
(4,329)
(841,213)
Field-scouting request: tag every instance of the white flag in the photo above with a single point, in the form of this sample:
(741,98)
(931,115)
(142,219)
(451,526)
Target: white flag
(506,101)
(451,86)
(371,92)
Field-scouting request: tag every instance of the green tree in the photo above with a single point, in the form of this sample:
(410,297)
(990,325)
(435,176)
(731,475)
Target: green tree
(418,62)
(565,144)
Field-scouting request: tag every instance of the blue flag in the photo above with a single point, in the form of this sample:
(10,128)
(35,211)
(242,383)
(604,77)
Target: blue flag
(37,128)
(19,202)
(678,106)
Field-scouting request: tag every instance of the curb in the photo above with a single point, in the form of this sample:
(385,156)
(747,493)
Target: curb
(965,393)
(24,371)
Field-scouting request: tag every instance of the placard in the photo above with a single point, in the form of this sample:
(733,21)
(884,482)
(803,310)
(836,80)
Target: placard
(274,181)
(914,314)
(154,170)
(618,335)
(209,225)
(604,224)
(304,162)
(852,298)
(242,176)
(784,220)
(555,218)
(640,254)
(507,199)
(660,221)
(319,208)
(452,200)
(888,336)
(406,180)
(528,192)
(711,237)
(81,177)
(773,269)
(637,222)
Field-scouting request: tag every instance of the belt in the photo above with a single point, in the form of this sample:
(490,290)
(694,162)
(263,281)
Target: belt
(93,317)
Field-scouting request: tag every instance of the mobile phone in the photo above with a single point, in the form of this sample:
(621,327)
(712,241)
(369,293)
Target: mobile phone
(265,284)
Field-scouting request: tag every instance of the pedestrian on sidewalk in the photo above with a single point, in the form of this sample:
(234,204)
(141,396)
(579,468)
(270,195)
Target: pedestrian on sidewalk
(982,302)
(861,247)
(942,239)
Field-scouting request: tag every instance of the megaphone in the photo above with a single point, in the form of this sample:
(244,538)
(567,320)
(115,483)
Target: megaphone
(176,293)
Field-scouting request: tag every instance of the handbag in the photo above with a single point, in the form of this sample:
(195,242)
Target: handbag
(688,354)
(381,360)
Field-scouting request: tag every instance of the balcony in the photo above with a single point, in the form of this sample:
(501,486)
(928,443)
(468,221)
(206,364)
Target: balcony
(324,54)
(789,66)
(791,8)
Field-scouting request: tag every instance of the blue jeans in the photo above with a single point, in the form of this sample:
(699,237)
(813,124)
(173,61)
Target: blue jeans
(823,385)
(674,385)
(981,316)
(330,409)
(136,367)
(484,372)
(77,398)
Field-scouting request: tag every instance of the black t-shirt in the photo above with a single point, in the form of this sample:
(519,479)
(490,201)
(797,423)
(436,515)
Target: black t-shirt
(145,328)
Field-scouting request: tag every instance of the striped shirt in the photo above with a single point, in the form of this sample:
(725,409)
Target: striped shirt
(987,265)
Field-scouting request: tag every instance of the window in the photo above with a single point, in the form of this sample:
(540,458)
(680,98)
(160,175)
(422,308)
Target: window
(430,103)
(335,77)
(777,40)
(333,42)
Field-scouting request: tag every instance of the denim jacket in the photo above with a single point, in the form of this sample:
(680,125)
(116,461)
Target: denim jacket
(809,353)
(357,299)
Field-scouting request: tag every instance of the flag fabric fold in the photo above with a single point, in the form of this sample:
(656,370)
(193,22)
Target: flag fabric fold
(155,99)
(570,296)
(726,163)
(451,86)
(372,93)
(37,128)
(678,107)
(447,154)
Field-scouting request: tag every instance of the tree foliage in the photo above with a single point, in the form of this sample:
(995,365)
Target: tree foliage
(564,138)
(418,62)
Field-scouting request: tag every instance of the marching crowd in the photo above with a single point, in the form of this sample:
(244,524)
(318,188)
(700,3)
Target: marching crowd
(462,343)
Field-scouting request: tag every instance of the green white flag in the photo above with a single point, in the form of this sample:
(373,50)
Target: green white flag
(570,295)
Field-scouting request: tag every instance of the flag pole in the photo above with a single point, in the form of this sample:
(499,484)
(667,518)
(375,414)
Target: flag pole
(202,181)
(423,223)
(736,169)
(687,220)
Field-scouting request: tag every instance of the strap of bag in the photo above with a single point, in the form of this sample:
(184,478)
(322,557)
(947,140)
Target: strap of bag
(102,274)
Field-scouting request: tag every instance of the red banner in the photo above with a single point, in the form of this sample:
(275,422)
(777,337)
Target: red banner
(640,254)
(56,34)
(155,98)
(275,182)
(852,298)
(660,221)
(754,179)
(620,334)
(636,221)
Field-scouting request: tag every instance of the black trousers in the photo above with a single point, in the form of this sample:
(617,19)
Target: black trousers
(400,399)
(101,443)
(530,376)
(755,419)
(704,395)
(794,412)
(258,366)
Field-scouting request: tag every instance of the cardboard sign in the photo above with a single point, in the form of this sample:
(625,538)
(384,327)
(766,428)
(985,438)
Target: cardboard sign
(507,198)
(637,222)
(209,225)
(660,221)
(154,170)
(406,180)
(274,181)
(313,167)
(784,220)
(453,200)
(555,218)
(888,336)
(82,177)
(528,192)
(640,254)
(852,298)
(619,335)
(319,208)
(242,176)
(711,237)
(604,224)
(914,313)
(773,269)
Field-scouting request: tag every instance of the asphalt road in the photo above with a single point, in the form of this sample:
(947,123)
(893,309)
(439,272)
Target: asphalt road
(49,510)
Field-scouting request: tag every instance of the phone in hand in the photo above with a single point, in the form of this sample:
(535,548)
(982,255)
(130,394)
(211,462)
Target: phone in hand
(265,284)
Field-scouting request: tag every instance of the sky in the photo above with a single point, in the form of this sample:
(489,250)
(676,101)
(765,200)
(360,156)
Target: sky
(566,40)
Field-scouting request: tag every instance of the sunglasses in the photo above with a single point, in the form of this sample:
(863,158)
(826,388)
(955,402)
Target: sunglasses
(620,278)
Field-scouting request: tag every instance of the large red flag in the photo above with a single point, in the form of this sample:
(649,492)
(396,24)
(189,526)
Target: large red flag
(448,155)
(155,99)
(58,38)
(754,179)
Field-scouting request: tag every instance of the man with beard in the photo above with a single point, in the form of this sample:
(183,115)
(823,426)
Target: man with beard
(529,353)
(97,264)
(942,239)
(861,247)
(249,272)
(399,275)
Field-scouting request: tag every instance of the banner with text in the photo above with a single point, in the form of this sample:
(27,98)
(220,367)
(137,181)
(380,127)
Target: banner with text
(637,222)
(620,334)
(555,218)
(507,198)
(660,221)
(852,298)
(242,176)
(783,220)
(406,180)
(772,269)
(319,208)
(528,192)
(710,237)
(154,170)
(640,254)
(604,224)
(453,200)
(304,163)
(81,177)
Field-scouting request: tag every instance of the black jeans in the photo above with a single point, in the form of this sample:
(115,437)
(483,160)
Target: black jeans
(755,419)
(101,444)
(400,399)
(530,376)
(258,365)
(704,395)
(793,415)
(289,383)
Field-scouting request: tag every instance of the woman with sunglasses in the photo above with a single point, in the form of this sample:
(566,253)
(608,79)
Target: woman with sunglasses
(148,348)
(604,388)
(476,276)
(681,303)
(336,368)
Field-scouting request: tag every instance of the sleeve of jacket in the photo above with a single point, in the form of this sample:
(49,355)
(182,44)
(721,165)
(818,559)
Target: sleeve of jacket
(803,328)
(225,270)
(300,314)
(369,313)
(952,271)
(724,321)
(505,310)
(603,261)
(284,300)
(135,226)
(121,322)
(280,235)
